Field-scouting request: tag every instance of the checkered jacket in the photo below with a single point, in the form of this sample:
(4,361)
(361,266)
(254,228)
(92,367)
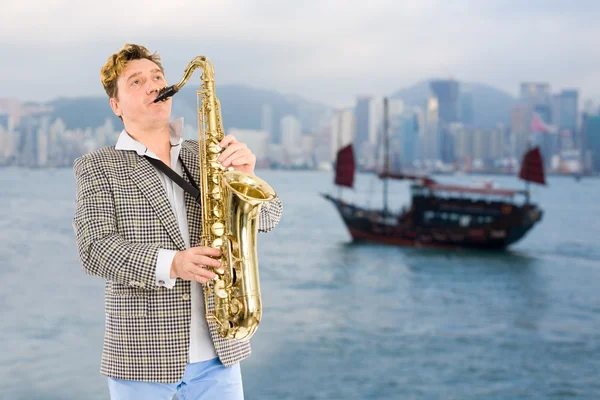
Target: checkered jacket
(122,218)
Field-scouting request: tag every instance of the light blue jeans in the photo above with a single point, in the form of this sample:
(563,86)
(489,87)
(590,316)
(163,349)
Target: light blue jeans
(205,380)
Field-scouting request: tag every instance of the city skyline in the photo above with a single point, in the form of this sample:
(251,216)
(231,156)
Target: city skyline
(438,135)
(322,51)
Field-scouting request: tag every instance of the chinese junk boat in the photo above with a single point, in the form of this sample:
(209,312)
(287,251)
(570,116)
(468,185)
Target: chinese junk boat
(442,216)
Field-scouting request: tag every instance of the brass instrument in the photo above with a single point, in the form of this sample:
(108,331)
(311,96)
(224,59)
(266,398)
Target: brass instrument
(231,202)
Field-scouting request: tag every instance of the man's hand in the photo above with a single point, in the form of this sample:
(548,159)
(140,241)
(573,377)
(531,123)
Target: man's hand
(237,155)
(189,264)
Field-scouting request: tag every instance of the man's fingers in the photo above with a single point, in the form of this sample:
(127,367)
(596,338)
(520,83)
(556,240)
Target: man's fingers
(244,160)
(227,140)
(206,261)
(205,251)
(234,147)
(198,267)
(203,273)
(238,154)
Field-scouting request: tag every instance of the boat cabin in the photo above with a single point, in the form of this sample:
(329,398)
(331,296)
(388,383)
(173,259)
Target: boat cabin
(461,206)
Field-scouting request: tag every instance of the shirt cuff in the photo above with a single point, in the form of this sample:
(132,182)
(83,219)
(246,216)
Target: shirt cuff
(163,268)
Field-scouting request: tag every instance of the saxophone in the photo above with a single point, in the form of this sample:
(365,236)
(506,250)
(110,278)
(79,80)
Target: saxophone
(230,202)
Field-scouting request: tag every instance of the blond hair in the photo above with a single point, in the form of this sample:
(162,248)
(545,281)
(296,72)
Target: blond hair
(112,70)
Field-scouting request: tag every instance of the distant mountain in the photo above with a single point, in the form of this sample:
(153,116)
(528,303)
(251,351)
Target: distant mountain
(241,107)
(490,106)
(81,112)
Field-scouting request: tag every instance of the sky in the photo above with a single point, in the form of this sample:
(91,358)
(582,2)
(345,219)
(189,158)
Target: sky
(327,51)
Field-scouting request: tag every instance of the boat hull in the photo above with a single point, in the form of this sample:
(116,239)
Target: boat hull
(404,230)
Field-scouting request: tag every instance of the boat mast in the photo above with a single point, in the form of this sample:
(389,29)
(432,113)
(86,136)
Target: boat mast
(386,160)
(529,146)
(339,146)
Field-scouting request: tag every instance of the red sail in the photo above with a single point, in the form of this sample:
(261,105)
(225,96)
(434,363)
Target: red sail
(344,167)
(532,167)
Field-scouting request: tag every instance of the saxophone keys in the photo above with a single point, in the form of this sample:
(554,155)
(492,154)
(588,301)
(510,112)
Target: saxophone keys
(214,148)
(217,211)
(217,243)
(212,133)
(218,229)
(236,306)
(219,289)
(216,193)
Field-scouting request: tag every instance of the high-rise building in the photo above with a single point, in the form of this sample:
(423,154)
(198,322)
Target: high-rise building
(7,145)
(266,122)
(533,93)
(27,148)
(368,114)
(538,97)
(14,108)
(42,148)
(375,120)
(547,141)
(446,92)
(361,113)
(343,131)
(497,143)
(409,138)
(590,130)
(481,146)
(255,140)
(567,113)
(396,108)
(431,139)
(4,120)
(589,107)
(463,142)
(291,130)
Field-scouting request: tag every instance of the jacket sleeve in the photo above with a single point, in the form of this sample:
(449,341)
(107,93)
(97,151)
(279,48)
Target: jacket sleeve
(270,214)
(102,251)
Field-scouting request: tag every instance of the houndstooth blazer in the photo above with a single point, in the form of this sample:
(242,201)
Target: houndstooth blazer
(122,218)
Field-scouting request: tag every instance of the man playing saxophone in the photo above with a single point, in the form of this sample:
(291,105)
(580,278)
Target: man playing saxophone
(138,230)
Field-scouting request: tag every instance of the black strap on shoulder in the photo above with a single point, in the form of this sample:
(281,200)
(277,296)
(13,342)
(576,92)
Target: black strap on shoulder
(192,188)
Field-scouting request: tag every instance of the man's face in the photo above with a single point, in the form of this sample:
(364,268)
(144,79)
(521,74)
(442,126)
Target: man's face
(138,86)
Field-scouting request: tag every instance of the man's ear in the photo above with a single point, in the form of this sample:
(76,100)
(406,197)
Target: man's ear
(114,104)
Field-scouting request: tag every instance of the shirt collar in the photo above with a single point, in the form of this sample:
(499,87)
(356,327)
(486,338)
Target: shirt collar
(126,142)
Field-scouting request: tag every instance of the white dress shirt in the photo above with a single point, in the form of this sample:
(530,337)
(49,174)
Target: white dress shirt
(201,345)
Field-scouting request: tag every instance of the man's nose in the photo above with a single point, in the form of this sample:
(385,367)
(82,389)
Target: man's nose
(152,86)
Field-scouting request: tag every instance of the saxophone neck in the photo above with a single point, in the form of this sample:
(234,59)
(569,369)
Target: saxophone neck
(198,62)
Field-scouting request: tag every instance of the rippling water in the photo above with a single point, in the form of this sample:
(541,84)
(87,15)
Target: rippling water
(341,321)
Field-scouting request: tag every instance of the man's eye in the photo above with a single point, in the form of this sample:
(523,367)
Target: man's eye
(158,77)
(135,82)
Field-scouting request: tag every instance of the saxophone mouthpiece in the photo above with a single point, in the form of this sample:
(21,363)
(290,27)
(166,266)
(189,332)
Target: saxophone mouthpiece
(165,93)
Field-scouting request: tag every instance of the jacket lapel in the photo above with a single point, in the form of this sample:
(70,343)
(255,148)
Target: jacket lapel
(144,176)
(189,157)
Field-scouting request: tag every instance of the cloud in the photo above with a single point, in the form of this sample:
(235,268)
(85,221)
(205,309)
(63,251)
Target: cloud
(326,50)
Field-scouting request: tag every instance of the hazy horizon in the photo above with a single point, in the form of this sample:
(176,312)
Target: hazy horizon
(323,51)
